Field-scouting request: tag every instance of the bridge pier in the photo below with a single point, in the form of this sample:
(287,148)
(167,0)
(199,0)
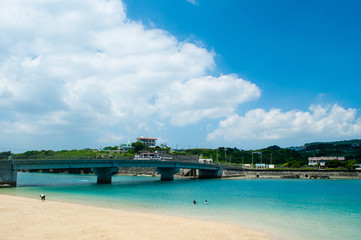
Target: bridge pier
(167,173)
(8,175)
(104,174)
(204,173)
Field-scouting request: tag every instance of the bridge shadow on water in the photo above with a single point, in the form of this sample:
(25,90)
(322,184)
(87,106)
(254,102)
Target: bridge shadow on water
(60,179)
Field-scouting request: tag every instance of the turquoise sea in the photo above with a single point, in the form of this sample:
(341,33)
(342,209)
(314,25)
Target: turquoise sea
(283,208)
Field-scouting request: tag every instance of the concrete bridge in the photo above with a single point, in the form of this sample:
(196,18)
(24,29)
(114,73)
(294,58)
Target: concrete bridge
(106,168)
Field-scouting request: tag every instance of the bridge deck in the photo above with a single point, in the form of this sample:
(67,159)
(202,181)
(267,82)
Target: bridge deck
(28,164)
(105,168)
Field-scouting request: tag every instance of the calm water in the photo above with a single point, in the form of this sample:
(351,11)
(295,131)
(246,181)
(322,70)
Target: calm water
(286,209)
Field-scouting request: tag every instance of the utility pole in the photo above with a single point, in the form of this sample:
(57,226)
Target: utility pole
(252,160)
(217,155)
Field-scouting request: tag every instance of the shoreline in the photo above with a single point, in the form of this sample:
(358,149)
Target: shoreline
(28,218)
(247,173)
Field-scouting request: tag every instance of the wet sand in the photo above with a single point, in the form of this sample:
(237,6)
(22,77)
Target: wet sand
(26,218)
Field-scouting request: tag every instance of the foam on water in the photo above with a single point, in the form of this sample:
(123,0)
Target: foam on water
(297,209)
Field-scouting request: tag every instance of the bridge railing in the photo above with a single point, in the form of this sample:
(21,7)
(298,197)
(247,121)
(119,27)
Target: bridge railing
(44,157)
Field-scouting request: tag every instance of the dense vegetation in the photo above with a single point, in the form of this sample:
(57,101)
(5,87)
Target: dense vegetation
(5,155)
(293,157)
(270,155)
(71,154)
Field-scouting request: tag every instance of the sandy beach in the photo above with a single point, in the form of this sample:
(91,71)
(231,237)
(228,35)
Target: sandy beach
(26,218)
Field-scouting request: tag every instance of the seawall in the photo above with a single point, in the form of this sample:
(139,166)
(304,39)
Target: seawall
(302,174)
(258,173)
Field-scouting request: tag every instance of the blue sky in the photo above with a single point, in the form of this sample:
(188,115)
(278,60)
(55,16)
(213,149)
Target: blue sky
(245,74)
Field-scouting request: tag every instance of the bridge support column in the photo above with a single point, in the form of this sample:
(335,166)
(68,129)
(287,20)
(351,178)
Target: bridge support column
(203,173)
(167,173)
(8,176)
(104,174)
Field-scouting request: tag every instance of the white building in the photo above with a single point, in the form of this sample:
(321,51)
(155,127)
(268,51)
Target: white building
(150,142)
(205,160)
(125,147)
(312,161)
(260,165)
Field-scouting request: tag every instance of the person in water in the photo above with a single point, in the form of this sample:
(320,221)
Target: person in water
(206,202)
(194,202)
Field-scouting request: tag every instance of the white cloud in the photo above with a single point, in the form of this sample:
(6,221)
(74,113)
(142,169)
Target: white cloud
(81,71)
(83,66)
(325,122)
(194,2)
(204,97)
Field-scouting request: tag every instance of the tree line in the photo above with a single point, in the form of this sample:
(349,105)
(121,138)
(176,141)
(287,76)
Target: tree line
(293,157)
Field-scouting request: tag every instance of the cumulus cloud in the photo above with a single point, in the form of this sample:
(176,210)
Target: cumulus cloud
(204,97)
(81,71)
(83,66)
(331,121)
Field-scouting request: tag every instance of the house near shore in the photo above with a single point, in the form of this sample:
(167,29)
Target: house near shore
(260,165)
(205,160)
(313,161)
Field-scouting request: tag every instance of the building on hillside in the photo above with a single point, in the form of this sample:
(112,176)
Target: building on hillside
(125,147)
(312,161)
(150,142)
(299,148)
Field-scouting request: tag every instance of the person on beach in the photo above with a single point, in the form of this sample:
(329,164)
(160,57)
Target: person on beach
(42,197)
